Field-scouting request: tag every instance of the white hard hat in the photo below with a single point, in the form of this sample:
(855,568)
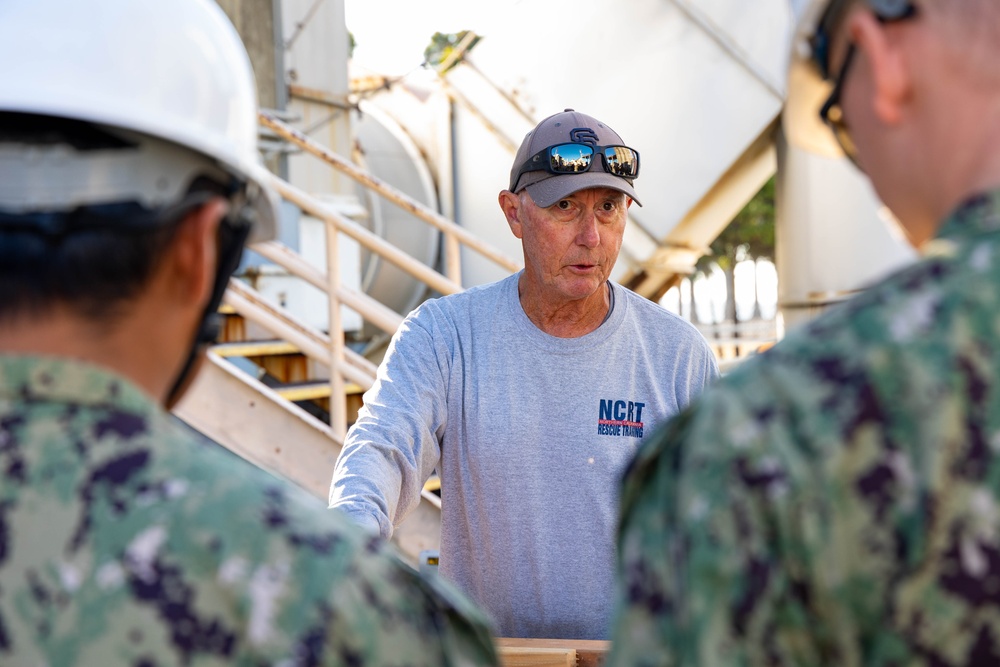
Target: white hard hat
(809,85)
(174,71)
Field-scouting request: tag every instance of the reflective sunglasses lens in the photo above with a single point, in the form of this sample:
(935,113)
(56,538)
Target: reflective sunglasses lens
(570,158)
(621,161)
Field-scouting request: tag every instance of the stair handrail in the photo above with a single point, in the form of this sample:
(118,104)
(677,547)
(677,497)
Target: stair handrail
(312,343)
(455,235)
(337,351)
(365,237)
(370,309)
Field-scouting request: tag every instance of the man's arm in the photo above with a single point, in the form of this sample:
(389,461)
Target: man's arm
(395,444)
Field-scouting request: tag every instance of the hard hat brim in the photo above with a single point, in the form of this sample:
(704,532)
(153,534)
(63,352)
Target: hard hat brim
(175,71)
(265,202)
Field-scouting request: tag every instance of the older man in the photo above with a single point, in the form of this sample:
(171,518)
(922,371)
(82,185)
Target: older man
(837,501)
(128,186)
(529,396)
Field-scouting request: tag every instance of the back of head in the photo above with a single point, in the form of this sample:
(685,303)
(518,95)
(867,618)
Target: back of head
(116,118)
(969,28)
(972,30)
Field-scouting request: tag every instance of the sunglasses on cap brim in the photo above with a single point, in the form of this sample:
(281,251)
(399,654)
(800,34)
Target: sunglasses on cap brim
(573,158)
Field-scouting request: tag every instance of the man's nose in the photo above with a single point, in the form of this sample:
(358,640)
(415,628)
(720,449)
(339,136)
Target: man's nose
(588,235)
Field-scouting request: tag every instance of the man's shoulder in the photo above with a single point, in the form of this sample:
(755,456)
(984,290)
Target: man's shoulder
(915,307)
(370,602)
(656,320)
(465,307)
(487,292)
(29,380)
(256,513)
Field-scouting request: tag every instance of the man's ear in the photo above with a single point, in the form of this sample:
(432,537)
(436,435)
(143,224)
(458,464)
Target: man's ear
(510,204)
(887,59)
(193,252)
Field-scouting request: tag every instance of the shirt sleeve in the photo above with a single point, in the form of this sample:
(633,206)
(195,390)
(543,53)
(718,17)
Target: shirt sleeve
(395,444)
(702,371)
(709,371)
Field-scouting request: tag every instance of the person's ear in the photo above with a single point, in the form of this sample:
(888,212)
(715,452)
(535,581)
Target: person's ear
(889,65)
(193,252)
(510,204)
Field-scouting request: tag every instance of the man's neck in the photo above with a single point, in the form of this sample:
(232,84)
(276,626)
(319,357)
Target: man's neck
(567,319)
(119,347)
(965,160)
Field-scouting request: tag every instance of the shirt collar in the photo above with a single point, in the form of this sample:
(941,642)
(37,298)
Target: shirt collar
(979,214)
(976,215)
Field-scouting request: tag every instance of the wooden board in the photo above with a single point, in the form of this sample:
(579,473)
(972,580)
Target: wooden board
(586,653)
(516,656)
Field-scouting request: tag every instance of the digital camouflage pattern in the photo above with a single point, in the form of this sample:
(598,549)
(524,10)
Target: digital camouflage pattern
(835,501)
(125,540)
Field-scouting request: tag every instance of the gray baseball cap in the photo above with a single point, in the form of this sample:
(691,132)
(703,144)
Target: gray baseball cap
(568,126)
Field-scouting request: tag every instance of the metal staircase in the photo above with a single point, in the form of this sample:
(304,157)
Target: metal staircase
(281,393)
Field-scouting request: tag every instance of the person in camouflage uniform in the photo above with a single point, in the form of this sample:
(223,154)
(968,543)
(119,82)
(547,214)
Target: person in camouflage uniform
(125,538)
(836,501)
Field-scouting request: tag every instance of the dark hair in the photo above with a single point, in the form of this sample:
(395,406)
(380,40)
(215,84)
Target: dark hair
(93,271)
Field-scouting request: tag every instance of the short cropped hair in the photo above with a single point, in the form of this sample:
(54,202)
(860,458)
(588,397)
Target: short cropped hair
(972,28)
(93,272)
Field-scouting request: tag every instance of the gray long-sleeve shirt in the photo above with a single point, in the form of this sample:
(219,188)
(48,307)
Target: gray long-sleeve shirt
(530,435)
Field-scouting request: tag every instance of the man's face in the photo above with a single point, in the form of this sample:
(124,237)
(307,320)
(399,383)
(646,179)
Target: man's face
(571,246)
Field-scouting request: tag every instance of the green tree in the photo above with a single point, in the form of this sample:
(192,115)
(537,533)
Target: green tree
(443,44)
(750,234)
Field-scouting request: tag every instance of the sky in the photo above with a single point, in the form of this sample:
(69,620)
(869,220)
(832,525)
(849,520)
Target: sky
(391,34)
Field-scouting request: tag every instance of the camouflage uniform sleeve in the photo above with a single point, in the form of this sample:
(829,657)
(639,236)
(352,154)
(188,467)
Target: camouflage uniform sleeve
(349,600)
(716,540)
(399,616)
